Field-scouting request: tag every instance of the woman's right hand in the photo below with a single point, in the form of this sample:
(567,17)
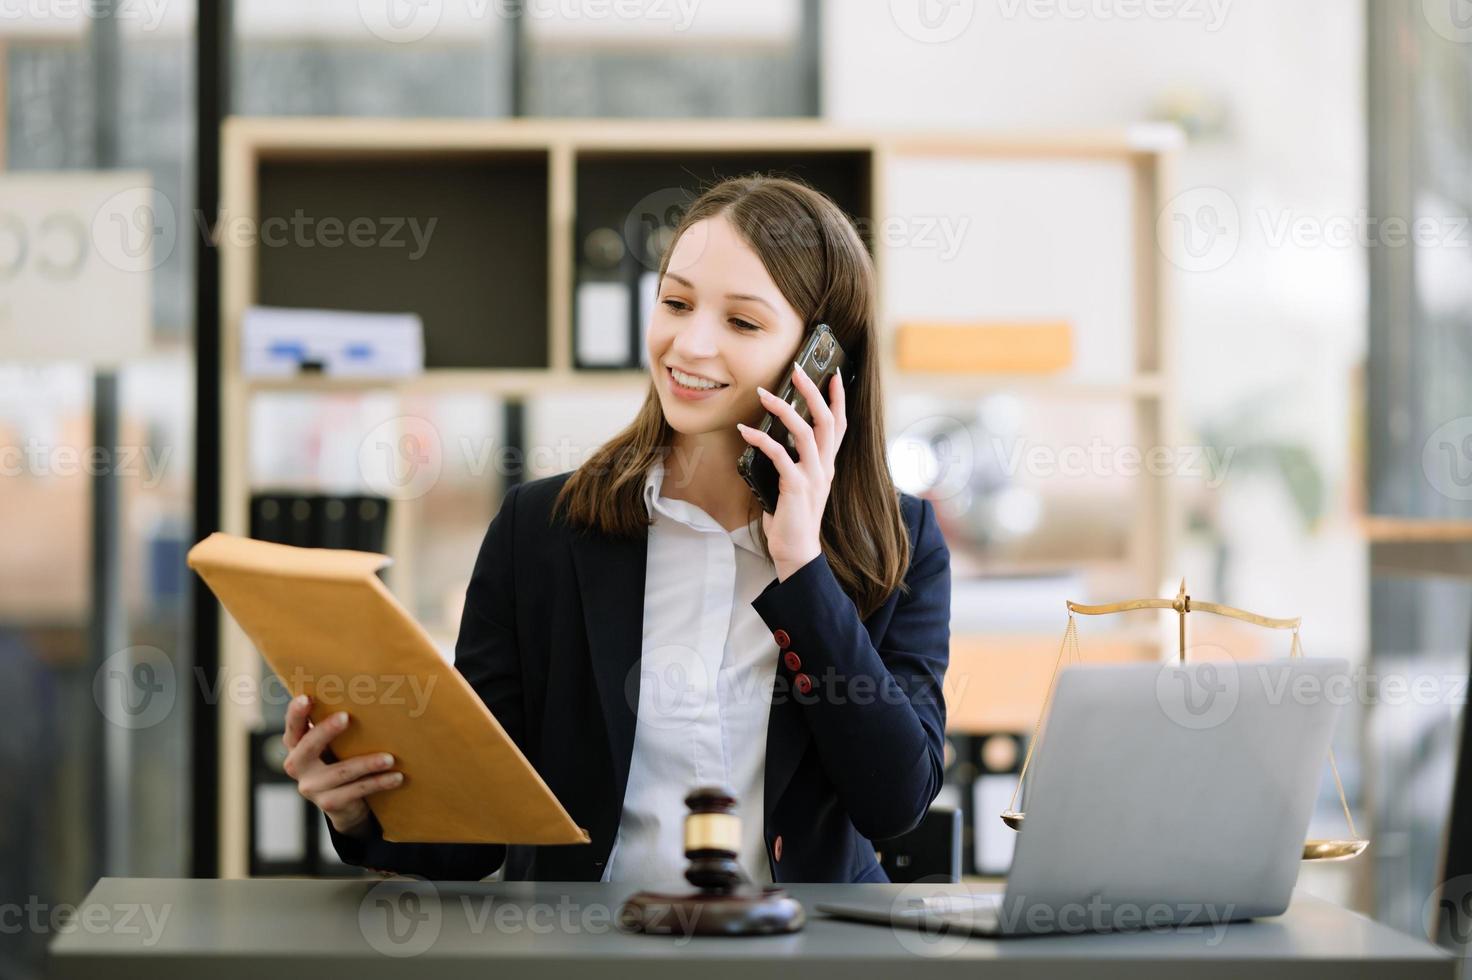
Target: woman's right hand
(337,788)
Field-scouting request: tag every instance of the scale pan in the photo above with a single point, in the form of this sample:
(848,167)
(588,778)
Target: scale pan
(1333,850)
(1013,818)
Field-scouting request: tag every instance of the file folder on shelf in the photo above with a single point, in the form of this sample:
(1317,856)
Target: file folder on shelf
(329,627)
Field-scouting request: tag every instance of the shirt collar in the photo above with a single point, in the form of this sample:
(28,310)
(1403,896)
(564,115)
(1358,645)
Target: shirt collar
(687,513)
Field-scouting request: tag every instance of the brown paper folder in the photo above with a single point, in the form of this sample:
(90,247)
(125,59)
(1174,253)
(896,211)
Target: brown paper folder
(329,628)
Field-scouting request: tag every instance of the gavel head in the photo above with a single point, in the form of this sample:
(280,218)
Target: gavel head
(712,839)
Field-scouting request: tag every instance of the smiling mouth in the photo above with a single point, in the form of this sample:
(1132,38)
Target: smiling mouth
(708,386)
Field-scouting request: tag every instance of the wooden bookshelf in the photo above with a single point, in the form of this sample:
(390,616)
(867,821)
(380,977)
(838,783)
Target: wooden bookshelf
(510,194)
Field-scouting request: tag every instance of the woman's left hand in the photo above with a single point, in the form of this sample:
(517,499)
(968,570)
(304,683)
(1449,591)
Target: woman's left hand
(803,484)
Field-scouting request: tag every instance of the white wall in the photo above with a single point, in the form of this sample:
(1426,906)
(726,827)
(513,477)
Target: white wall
(1277,323)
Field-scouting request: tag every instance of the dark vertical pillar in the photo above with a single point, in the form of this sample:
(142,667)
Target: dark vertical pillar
(108,633)
(211,102)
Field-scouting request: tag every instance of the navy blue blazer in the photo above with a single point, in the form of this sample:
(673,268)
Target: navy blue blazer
(551,641)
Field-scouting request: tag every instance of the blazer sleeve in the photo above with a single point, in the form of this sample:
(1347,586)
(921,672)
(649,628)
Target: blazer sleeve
(486,654)
(877,714)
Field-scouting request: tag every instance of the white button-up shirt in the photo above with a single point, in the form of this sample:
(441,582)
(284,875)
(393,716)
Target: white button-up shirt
(705,689)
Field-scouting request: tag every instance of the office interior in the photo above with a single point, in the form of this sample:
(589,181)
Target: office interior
(1174,299)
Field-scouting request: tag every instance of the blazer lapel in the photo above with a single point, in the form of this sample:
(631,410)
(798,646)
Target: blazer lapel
(610,574)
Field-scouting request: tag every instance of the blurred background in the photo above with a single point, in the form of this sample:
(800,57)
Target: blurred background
(1168,290)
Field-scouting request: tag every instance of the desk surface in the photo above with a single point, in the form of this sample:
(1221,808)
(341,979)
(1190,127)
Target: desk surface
(364,928)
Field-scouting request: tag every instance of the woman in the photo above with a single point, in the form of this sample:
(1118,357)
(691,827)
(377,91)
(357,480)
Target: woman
(640,626)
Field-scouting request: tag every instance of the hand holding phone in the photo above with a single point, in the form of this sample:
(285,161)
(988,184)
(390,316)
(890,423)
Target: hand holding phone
(820,358)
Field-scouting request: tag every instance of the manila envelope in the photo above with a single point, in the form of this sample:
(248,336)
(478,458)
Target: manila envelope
(330,628)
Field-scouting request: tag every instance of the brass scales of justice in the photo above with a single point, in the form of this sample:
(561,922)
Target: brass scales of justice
(1313,850)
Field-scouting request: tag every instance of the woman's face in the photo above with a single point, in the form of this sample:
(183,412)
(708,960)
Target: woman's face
(719,317)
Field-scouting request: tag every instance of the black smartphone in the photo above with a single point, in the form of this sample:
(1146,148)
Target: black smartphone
(820,357)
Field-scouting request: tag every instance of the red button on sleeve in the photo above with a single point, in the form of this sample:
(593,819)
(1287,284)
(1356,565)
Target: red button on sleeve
(803,682)
(783,640)
(792,660)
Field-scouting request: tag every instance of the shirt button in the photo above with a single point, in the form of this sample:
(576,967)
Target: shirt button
(804,683)
(777,848)
(792,660)
(782,638)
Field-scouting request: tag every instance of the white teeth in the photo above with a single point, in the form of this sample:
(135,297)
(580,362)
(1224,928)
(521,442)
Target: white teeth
(691,381)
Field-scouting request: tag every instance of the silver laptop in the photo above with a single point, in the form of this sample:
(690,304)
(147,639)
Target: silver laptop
(1159,795)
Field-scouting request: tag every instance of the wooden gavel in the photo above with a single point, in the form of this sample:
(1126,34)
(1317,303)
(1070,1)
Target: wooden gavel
(728,903)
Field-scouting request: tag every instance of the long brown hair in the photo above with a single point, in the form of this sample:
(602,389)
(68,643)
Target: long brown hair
(815,256)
